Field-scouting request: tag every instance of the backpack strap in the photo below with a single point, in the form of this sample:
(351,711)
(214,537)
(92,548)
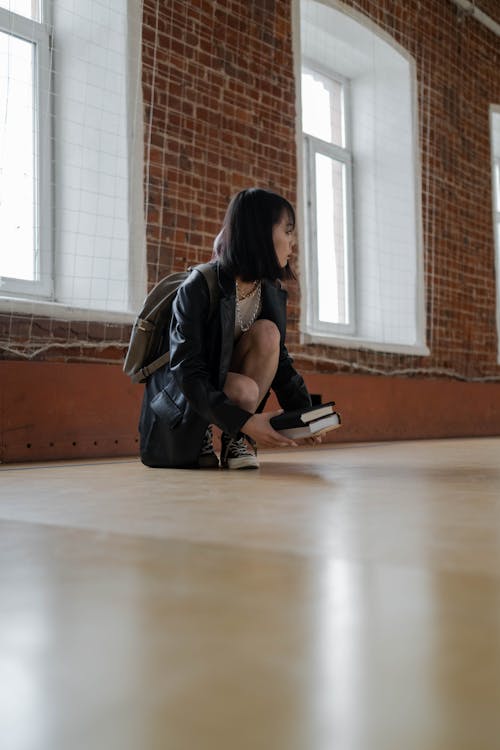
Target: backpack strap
(209,272)
(143,374)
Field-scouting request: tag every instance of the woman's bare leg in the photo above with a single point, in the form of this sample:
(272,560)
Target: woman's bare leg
(254,365)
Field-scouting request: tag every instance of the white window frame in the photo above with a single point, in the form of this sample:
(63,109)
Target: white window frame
(342,154)
(495,179)
(37,33)
(26,298)
(496,231)
(360,338)
(313,146)
(496,195)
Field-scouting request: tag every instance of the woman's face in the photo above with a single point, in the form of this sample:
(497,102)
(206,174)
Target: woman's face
(284,239)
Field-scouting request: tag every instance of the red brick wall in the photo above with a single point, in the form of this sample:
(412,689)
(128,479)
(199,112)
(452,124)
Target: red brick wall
(219,114)
(222,118)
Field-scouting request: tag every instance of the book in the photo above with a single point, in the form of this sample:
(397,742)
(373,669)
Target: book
(317,427)
(300,429)
(299,417)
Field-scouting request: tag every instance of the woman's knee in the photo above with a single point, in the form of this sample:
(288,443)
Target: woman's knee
(243,390)
(266,335)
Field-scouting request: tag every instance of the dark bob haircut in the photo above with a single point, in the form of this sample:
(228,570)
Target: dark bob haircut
(244,247)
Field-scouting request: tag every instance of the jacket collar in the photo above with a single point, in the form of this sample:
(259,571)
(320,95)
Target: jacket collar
(226,282)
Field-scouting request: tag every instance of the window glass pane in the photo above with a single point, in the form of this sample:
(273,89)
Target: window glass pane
(496,196)
(28,8)
(322,107)
(16,158)
(331,240)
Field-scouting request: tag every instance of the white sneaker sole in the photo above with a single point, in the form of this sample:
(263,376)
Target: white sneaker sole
(245,462)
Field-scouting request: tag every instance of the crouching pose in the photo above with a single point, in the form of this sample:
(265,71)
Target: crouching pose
(225,357)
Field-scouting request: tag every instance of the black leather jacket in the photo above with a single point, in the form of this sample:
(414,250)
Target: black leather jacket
(186,395)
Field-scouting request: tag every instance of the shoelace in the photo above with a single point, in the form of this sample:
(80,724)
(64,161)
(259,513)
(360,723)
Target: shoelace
(238,447)
(207,446)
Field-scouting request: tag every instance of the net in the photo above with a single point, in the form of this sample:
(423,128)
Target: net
(126,127)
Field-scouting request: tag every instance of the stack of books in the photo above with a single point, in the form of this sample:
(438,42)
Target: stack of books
(303,423)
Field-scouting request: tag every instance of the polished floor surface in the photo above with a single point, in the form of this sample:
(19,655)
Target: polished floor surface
(341,598)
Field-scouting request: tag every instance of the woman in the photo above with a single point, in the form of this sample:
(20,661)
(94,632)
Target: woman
(223,365)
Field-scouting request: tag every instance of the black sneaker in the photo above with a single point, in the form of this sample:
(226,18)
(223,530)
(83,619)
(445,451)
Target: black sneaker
(237,454)
(207,458)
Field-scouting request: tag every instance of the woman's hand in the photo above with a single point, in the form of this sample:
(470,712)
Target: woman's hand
(313,440)
(259,429)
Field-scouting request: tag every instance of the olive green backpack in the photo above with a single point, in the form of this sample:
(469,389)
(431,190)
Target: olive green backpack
(148,349)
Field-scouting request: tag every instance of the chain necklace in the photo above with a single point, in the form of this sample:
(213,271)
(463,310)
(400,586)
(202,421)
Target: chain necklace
(245,326)
(241,297)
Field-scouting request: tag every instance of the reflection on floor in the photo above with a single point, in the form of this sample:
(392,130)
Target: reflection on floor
(341,598)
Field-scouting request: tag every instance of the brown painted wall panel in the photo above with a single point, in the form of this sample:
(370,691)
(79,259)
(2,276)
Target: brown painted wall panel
(382,408)
(59,411)
(66,410)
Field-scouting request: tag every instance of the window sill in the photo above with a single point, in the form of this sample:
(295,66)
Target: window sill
(59,311)
(351,342)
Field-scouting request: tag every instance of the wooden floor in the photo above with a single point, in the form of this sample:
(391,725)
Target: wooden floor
(341,598)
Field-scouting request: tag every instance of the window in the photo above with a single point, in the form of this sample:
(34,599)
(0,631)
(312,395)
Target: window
(496,199)
(361,181)
(71,199)
(328,170)
(24,150)
(495,150)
